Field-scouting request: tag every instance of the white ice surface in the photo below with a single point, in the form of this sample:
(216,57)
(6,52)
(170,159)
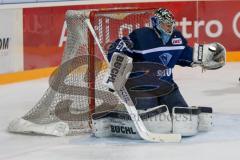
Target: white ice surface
(219,89)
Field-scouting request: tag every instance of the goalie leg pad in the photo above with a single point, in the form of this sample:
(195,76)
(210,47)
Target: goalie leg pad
(205,119)
(119,123)
(185,120)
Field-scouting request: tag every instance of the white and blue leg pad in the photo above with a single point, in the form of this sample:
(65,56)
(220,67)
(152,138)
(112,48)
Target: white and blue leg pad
(188,121)
(205,119)
(119,123)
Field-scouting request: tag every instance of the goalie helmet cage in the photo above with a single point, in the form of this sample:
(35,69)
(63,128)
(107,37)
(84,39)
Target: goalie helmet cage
(75,90)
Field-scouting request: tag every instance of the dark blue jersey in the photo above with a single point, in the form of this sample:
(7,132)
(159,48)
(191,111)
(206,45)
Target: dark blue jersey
(145,45)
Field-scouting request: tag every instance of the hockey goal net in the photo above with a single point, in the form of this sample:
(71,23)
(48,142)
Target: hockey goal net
(75,90)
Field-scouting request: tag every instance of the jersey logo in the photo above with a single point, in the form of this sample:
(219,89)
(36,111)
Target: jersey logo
(176,41)
(165,58)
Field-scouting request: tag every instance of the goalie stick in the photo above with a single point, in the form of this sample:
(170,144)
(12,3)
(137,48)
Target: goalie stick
(126,100)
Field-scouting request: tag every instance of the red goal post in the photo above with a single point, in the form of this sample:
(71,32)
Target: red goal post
(112,27)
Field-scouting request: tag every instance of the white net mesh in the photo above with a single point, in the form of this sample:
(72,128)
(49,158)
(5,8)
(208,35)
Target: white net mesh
(80,75)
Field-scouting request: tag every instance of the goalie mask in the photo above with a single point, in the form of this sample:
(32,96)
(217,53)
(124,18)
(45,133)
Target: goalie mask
(163,20)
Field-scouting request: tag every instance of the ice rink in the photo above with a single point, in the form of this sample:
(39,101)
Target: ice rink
(219,89)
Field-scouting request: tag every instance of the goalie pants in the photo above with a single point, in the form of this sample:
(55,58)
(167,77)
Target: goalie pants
(173,99)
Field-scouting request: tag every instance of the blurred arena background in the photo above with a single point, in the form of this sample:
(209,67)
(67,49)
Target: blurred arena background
(33,32)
